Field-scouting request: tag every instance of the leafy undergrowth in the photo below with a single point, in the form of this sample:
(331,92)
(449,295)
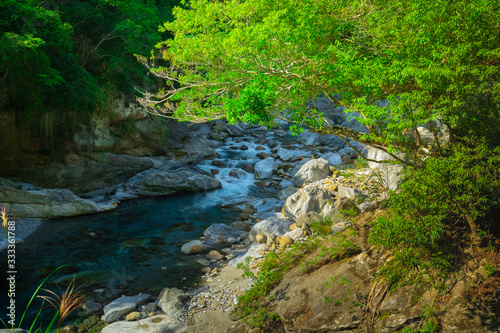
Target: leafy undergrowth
(253,308)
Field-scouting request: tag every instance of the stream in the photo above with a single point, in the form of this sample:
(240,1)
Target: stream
(135,248)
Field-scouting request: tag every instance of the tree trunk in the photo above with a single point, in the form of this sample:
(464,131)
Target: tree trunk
(476,240)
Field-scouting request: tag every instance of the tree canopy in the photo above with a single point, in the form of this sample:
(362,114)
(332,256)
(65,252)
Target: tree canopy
(255,60)
(434,64)
(68,57)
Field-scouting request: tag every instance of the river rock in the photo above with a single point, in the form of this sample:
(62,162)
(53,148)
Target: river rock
(214,255)
(248,167)
(45,203)
(193,247)
(156,324)
(170,178)
(315,169)
(170,301)
(218,163)
(240,225)
(255,251)
(132,316)
(285,241)
(264,169)
(333,158)
(219,233)
(122,306)
(330,110)
(350,193)
(91,307)
(236,173)
(308,199)
(284,194)
(286,155)
(272,225)
(261,238)
(309,138)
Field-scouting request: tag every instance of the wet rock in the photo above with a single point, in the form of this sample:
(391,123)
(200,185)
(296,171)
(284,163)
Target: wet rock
(264,168)
(244,216)
(280,133)
(248,168)
(271,143)
(193,247)
(235,173)
(45,203)
(260,148)
(203,262)
(218,163)
(156,324)
(170,178)
(263,184)
(91,307)
(312,171)
(219,233)
(214,172)
(170,301)
(122,306)
(262,155)
(206,270)
(346,159)
(243,147)
(285,183)
(330,110)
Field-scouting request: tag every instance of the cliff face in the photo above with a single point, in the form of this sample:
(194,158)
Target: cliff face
(108,150)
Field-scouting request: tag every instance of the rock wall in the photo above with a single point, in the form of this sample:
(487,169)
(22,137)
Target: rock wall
(113,147)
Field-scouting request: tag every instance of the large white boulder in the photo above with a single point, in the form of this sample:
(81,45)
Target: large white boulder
(308,199)
(315,169)
(45,203)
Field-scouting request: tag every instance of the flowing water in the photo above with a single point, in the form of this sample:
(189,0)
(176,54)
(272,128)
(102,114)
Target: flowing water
(135,248)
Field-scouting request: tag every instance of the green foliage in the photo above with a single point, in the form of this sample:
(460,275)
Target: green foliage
(490,270)
(436,203)
(338,247)
(435,62)
(60,60)
(251,306)
(322,226)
